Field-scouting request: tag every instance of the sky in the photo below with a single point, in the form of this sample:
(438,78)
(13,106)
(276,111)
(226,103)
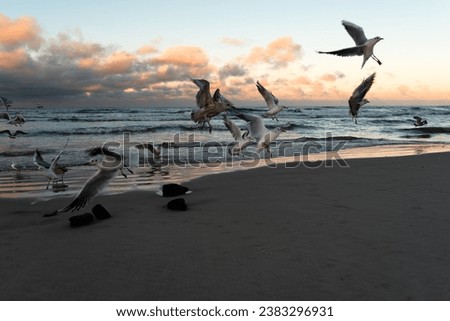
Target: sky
(144,52)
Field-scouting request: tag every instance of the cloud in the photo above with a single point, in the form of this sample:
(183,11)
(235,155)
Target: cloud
(23,31)
(232,41)
(232,70)
(279,53)
(331,77)
(147,50)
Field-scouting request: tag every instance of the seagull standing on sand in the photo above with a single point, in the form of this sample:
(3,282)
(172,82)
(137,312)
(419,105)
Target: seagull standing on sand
(107,170)
(17,120)
(43,165)
(419,121)
(208,106)
(259,132)
(6,102)
(357,98)
(11,134)
(17,167)
(271,101)
(235,131)
(364,46)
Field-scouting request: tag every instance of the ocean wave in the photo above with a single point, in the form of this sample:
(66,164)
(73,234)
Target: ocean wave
(430,130)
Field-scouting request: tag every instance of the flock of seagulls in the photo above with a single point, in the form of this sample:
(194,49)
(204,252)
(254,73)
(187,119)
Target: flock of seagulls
(209,106)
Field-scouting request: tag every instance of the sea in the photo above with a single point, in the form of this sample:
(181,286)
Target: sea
(187,150)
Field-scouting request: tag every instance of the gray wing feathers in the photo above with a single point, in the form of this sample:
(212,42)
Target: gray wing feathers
(92,188)
(346,52)
(267,95)
(360,92)
(355,31)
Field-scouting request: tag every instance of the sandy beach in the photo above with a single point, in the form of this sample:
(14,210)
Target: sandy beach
(375,230)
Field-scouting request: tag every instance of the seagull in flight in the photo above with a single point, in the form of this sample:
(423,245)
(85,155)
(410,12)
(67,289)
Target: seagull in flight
(13,135)
(357,99)
(271,101)
(209,106)
(259,132)
(43,165)
(241,142)
(364,46)
(17,120)
(419,121)
(6,102)
(108,168)
(49,172)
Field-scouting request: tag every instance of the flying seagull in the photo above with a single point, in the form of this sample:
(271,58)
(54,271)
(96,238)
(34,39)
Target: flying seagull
(241,142)
(209,106)
(58,170)
(271,101)
(49,172)
(357,98)
(13,135)
(108,168)
(364,46)
(259,132)
(419,121)
(17,120)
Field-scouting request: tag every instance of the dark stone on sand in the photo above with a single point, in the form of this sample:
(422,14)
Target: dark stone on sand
(170,190)
(80,220)
(100,212)
(177,204)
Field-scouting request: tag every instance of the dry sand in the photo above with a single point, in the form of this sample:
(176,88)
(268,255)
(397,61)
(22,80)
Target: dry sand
(377,230)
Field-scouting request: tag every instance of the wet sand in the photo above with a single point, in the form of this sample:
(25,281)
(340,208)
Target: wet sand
(375,230)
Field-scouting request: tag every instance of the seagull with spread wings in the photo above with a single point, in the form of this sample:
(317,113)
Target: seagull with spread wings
(241,142)
(50,171)
(357,99)
(271,101)
(259,132)
(108,168)
(364,46)
(13,135)
(59,170)
(208,106)
(18,119)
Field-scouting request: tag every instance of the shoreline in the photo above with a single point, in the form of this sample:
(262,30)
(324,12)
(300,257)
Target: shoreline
(150,178)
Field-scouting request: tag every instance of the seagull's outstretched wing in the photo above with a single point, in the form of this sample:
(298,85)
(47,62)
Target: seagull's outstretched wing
(55,161)
(356,99)
(417,118)
(346,52)
(218,97)
(39,160)
(92,188)
(356,32)
(255,126)
(234,130)
(270,98)
(6,131)
(360,92)
(203,96)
